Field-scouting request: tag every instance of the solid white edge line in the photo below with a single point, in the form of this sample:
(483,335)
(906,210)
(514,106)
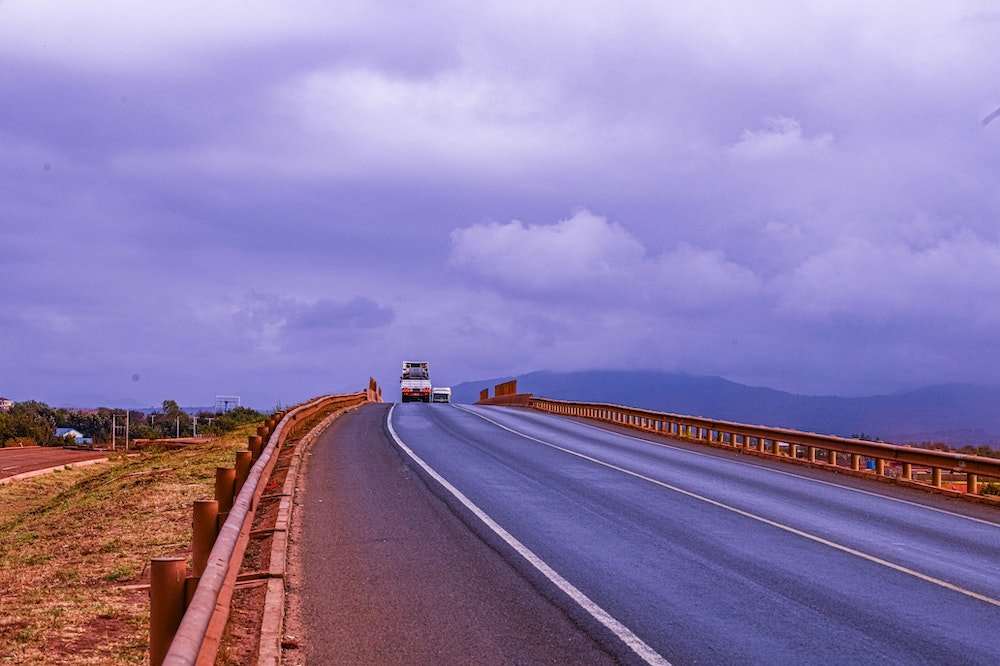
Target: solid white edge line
(636,644)
(571,419)
(753,516)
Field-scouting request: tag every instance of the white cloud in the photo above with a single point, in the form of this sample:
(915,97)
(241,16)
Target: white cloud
(124,35)
(697,278)
(592,258)
(455,123)
(955,281)
(782,136)
(582,249)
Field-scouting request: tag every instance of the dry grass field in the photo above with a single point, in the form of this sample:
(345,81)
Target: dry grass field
(75,547)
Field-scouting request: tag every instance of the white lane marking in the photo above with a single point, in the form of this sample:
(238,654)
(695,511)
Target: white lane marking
(768,469)
(753,516)
(636,644)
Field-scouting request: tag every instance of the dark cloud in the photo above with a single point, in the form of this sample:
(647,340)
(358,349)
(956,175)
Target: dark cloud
(357,313)
(276,321)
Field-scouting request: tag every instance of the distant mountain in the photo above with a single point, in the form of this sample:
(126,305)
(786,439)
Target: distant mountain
(115,403)
(956,414)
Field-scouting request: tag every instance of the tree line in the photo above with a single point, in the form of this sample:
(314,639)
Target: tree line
(32,422)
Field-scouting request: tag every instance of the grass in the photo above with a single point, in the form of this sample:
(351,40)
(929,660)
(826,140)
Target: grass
(71,543)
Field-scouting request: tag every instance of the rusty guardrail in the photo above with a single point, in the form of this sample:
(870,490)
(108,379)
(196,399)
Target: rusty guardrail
(902,464)
(188,614)
(505,394)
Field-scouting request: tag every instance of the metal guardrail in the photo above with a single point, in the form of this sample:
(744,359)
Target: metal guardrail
(186,632)
(901,463)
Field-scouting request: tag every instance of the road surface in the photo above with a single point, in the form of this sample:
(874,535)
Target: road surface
(664,553)
(390,575)
(18,460)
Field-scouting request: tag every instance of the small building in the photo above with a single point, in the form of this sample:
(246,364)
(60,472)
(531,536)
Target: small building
(6,404)
(77,436)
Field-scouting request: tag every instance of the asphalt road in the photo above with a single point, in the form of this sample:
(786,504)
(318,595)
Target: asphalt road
(391,575)
(18,460)
(690,556)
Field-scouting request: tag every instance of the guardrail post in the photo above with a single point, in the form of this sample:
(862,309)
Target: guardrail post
(856,462)
(971,483)
(811,453)
(880,466)
(936,477)
(907,472)
(205,527)
(256,445)
(166,604)
(225,483)
(244,459)
(831,457)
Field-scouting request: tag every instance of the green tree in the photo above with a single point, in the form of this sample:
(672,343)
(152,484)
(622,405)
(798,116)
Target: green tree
(31,421)
(173,419)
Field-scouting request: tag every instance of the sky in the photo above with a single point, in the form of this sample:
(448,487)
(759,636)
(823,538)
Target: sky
(276,201)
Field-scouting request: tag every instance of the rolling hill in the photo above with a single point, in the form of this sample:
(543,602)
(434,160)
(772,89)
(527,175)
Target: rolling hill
(956,414)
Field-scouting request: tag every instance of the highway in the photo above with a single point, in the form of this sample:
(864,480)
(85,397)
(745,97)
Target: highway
(391,575)
(667,554)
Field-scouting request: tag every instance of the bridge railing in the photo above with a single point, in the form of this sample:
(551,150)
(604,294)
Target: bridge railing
(904,464)
(188,614)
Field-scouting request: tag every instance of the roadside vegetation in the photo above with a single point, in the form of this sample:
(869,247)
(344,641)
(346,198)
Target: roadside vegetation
(75,547)
(34,423)
(984,450)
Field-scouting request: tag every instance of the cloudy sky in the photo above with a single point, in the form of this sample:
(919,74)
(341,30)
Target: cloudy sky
(238,198)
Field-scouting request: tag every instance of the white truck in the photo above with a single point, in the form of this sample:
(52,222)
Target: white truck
(441,394)
(415,382)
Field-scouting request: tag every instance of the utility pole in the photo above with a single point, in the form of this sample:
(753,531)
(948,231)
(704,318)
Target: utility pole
(126,429)
(194,426)
(178,427)
(114,429)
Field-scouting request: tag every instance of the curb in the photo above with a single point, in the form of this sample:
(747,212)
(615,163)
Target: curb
(273,623)
(47,470)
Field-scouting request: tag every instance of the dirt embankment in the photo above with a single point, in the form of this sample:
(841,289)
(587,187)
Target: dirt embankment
(75,547)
